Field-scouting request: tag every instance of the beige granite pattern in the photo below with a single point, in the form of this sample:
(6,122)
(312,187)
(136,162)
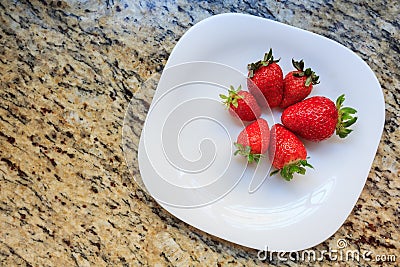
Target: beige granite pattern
(68,70)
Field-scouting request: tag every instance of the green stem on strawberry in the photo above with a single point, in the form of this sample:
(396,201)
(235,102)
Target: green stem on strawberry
(268,59)
(345,118)
(232,97)
(298,166)
(246,152)
(312,78)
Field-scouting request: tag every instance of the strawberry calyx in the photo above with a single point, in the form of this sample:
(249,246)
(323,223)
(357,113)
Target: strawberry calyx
(232,97)
(268,59)
(345,118)
(246,152)
(312,78)
(297,166)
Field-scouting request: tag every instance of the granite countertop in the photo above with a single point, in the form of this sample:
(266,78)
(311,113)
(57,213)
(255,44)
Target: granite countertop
(68,72)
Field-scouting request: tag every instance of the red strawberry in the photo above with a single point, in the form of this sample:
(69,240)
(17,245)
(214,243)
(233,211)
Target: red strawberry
(242,103)
(267,76)
(297,84)
(253,141)
(287,152)
(316,118)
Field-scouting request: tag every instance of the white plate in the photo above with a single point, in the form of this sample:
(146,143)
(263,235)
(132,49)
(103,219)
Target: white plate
(185,150)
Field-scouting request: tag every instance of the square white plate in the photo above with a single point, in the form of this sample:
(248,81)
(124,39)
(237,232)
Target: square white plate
(186,156)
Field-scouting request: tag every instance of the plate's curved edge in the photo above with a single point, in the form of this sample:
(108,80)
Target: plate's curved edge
(187,33)
(210,20)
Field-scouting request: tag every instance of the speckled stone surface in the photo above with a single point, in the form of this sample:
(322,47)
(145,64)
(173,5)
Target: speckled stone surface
(68,70)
